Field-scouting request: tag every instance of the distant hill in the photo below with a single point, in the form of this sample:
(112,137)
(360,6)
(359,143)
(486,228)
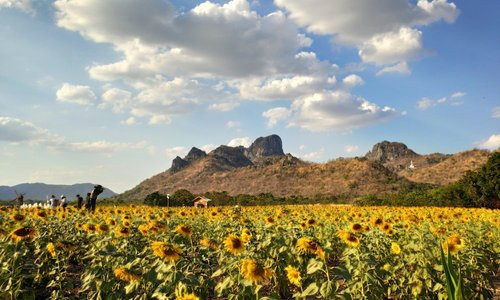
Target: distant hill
(39,191)
(265,168)
(435,168)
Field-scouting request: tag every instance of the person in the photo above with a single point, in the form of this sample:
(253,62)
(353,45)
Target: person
(20,200)
(63,202)
(79,201)
(54,202)
(87,201)
(98,189)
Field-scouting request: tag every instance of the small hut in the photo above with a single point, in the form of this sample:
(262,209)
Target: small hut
(201,202)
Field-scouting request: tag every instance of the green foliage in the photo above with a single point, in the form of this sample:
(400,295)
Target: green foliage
(474,189)
(181,197)
(156,199)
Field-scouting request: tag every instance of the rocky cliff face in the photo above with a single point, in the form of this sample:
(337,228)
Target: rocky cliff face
(389,151)
(265,147)
(226,158)
(193,155)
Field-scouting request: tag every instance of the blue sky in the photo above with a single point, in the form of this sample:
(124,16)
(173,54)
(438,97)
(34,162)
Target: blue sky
(111,91)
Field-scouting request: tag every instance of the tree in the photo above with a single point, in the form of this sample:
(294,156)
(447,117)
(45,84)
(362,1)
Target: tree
(182,197)
(156,199)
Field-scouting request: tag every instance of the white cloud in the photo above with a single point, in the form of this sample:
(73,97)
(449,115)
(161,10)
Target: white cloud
(130,121)
(176,151)
(392,47)
(274,115)
(352,80)
(233,124)
(242,141)
(372,26)
(119,100)
(13,130)
(401,68)
(209,147)
(426,103)
(492,143)
(351,148)
(223,106)
(77,94)
(495,112)
(313,156)
(17,131)
(453,99)
(337,110)
(23,5)
(458,95)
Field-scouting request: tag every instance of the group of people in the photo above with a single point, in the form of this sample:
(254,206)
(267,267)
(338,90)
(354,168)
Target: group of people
(90,200)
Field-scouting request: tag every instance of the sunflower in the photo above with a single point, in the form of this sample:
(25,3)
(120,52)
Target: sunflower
(42,215)
(457,240)
(311,222)
(144,229)
(125,275)
(270,220)
(209,243)
(187,297)
(102,228)
(164,250)
(110,222)
(350,239)
(51,249)
(122,231)
(22,233)
(293,275)
(89,227)
(234,244)
(68,246)
(356,227)
(306,245)
(255,272)
(246,235)
(18,218)
(184,230)
(395,248)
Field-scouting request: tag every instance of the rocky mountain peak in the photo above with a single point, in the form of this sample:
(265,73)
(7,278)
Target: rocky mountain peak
(178,164)
(264,147)
(194,155)
(389,151)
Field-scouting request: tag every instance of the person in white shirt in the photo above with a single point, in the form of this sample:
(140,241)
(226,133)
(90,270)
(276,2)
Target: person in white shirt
(54,202)
(63,202)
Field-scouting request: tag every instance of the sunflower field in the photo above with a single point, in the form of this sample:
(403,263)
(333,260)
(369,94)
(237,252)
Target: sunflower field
(271,252)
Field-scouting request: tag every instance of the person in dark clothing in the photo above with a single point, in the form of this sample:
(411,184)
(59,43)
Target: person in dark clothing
(79,201)
(87,201)
(98,189)
(20,200)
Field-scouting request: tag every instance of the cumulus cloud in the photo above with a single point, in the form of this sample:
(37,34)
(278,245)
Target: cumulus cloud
(351,148)
(337,110)
(374,27)
(454,99)
(492,143)
(77,94)
(242,141)
(495,112)
(23,5)
(314,155)
(274,115)
(401,68)
(176,151)
(13,130)
(223,106)
(208,147)
(352,81)
(233,124)
(119,100)
(130,121)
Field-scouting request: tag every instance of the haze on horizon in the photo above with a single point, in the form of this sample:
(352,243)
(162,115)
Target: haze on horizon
(111,91)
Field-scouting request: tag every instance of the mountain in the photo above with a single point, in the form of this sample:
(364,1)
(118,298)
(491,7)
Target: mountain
(265,168)
(40,191)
